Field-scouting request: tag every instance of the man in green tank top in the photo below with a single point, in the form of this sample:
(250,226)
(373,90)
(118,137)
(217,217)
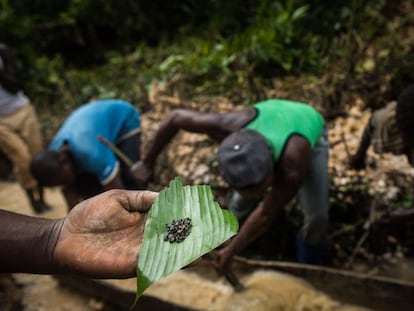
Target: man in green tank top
(268,153)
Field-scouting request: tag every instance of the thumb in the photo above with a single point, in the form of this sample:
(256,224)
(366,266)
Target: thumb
(140,201)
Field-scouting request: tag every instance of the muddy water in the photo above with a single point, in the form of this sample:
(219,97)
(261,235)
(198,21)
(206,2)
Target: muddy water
(264,291)
(195,289)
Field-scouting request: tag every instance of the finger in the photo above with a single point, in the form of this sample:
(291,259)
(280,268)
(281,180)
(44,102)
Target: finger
(140,201)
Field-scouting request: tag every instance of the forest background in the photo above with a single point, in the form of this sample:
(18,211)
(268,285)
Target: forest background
(331,54)
(71,50)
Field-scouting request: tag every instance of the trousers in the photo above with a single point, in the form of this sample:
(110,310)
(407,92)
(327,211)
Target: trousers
(20,140)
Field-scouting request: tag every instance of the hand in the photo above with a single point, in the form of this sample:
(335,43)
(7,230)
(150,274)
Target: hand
(223,261)
(142,173)
(101,237)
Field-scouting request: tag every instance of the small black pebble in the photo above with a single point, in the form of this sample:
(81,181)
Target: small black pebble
(178,230)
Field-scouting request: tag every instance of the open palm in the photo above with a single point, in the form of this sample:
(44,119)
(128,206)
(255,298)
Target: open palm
(102,236)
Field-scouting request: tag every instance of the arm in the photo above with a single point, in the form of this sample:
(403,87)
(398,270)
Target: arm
(115,218)
(72,197)
(180,119)
(358,160)
(288,178)
(27,243)
(188,120)
(115,183)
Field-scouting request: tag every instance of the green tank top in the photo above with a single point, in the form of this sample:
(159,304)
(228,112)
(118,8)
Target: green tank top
(277,120)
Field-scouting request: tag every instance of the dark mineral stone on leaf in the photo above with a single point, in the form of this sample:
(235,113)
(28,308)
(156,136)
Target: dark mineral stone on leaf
(178,230)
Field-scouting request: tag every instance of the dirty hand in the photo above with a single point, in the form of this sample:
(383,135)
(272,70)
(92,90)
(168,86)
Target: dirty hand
(101,237)
(141,172)
(223,261)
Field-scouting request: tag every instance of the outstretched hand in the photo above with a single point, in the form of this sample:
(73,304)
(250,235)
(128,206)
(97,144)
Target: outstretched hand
(101,237)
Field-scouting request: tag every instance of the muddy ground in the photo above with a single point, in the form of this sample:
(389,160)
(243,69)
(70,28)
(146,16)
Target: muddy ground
(198,289)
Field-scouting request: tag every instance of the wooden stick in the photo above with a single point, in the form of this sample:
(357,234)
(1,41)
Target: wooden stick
(116,150)
(234,281)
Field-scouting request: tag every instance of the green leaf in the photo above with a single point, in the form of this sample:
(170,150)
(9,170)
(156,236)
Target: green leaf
(300,12)
(211,226)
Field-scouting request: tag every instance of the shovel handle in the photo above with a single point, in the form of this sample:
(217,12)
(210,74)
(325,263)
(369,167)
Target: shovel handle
(234,281)
(229,275)
(116,150)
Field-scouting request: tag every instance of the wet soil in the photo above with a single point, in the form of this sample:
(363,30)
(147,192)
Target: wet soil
(200,289)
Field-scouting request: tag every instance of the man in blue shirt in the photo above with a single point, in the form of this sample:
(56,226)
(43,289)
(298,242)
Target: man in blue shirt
(79,161)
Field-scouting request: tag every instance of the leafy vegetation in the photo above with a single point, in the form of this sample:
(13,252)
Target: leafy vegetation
(70,51)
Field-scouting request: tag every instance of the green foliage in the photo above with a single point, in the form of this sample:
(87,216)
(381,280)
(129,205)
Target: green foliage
(269,38)
(69,51)
(273,37)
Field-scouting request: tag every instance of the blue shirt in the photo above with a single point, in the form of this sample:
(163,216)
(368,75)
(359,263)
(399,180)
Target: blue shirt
(112,119)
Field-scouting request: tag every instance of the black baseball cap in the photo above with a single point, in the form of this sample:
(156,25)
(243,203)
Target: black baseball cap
(244,159)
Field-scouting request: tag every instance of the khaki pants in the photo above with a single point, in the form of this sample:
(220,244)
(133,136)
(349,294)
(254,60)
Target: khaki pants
(20,139)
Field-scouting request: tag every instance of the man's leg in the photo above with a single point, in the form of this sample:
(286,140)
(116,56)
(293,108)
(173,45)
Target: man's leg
(15,148)
(131,148)
(314,201)
(30,133)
